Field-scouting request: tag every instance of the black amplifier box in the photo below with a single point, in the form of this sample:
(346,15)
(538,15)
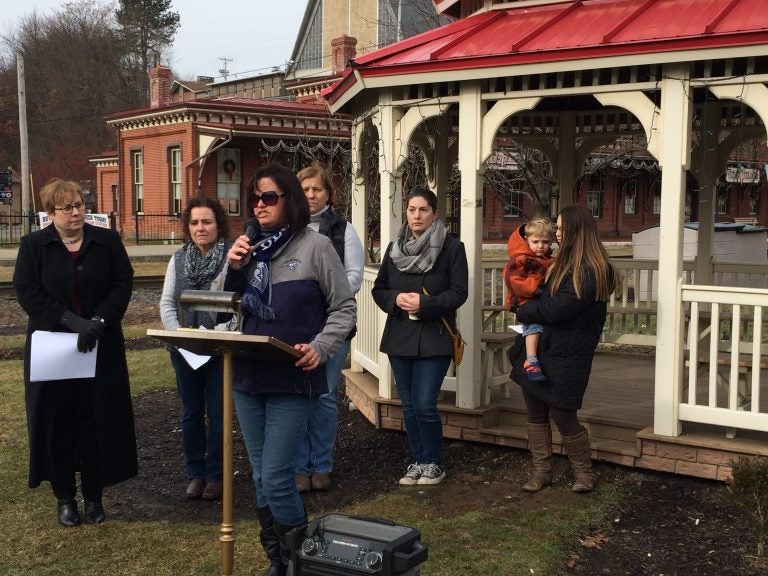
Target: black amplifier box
(338,545)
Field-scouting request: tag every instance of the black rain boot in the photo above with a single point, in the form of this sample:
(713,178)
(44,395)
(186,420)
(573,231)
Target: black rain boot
(270,542)
(90,478)
(67,505)
(289,537)
(68,514)
(94,512)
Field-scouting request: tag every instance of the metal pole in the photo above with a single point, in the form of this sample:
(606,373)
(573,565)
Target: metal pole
(24,143)
(227,531)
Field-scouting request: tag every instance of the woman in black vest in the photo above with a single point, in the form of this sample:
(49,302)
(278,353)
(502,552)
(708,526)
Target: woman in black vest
(200,264)
(314,459)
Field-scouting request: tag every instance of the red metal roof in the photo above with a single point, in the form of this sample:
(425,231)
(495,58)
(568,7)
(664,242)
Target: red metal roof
(568,30)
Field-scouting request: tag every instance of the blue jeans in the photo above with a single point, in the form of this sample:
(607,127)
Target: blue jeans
(529,329)
(315,452)
(201,394)
(272,425)
(418,382)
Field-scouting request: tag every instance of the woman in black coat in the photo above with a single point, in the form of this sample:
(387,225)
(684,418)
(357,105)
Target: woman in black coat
(74,277)
(572,309)
(423,278)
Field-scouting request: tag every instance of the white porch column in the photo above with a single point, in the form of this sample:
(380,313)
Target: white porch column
(359,201)
(468,385)
(385,119)
(674,159)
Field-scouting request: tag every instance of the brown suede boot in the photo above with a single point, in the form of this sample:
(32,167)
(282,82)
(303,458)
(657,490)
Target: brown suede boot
(540,443)
(580,455)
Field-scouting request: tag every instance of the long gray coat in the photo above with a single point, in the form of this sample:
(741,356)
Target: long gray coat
(44,282)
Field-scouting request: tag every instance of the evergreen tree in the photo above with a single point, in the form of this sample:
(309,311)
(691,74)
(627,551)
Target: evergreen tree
(147,28)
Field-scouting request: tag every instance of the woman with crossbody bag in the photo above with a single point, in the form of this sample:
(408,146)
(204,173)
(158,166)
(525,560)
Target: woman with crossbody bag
(422,280)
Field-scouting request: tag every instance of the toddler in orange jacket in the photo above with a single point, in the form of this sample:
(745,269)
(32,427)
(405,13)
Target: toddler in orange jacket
(530,255)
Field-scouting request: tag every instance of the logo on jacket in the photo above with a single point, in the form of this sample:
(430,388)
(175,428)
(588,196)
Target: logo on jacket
(292,264)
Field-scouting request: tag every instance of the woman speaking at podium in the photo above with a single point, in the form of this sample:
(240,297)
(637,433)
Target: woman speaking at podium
(294,288)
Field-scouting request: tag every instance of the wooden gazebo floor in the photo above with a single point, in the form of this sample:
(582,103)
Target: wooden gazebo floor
(617,411)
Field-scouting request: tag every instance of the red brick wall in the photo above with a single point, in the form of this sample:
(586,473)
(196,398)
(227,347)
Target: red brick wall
(106,178)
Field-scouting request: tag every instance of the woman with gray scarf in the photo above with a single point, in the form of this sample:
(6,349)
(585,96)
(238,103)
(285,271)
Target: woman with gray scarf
(423,278)
(200,264)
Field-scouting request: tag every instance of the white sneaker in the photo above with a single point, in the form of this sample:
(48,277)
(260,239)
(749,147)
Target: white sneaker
(412,475)
(431,474)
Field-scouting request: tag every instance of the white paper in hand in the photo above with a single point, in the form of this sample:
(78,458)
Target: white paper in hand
(516,328)
(54,356)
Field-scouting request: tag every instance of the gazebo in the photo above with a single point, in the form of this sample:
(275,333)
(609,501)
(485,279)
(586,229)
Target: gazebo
(566,77)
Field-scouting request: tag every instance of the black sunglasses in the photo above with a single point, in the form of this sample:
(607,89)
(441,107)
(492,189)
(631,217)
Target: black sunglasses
(269,198)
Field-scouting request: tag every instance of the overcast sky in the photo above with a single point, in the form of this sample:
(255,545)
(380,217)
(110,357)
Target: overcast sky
(254,35)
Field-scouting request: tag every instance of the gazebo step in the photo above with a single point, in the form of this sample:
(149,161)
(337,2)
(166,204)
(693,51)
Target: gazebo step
(602,445)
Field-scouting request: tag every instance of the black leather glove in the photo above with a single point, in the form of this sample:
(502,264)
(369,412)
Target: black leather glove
(88,331)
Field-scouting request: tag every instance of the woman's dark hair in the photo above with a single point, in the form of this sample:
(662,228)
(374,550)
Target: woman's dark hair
(202,202)
(581,250)
(296,205)
(425,193)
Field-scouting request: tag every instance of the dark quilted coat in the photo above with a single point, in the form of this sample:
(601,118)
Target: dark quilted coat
(572,328)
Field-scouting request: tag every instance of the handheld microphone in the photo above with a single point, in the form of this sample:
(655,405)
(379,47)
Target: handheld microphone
(251,227)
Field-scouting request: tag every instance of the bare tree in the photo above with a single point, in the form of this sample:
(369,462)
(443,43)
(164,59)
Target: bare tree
(73,79)
(516,171)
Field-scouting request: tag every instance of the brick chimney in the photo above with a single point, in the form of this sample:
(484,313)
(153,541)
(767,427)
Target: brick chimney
(343,49)
(160,79)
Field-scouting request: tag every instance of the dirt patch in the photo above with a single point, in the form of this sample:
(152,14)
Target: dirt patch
(664,525)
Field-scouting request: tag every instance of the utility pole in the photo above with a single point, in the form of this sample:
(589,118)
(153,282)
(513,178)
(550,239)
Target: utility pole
(224,71)
(24,144)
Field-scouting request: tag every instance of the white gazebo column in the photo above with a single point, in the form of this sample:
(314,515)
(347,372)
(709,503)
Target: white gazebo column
(391,214)
(359,201)
(468,385)
(674,159)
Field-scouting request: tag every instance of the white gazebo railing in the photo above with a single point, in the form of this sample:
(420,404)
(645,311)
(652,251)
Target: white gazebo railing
(725,345)
(725,358)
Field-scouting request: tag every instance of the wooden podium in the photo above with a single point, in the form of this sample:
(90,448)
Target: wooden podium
(227,344)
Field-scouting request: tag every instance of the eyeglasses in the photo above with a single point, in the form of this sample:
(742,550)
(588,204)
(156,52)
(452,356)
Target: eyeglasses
(67,208)
(269,198)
